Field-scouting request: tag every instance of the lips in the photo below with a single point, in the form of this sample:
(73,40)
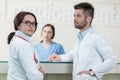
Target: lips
(75,23)
(30,30)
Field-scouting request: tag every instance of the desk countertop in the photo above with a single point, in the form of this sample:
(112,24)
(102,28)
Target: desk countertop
(54,67)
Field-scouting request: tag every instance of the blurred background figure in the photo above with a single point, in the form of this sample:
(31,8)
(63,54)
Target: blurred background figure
(46,47)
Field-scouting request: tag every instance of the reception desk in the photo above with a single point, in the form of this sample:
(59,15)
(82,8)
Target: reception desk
(53,70)
(60,71)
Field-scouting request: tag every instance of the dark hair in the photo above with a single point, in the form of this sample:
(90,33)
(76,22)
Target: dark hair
(17,21)
(87,8)
(52,27)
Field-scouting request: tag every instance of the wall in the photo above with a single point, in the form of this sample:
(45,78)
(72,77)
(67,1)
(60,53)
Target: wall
(60,13)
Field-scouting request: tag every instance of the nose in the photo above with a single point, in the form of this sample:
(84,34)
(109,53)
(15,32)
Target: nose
(75,18)
(45,33)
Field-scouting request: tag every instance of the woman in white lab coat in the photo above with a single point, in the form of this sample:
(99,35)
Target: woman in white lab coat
(23,61)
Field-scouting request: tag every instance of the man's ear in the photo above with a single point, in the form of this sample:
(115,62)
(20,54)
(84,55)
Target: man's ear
(89,19)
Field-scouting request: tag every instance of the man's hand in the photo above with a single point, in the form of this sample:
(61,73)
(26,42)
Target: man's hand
(54,57)
(84,72)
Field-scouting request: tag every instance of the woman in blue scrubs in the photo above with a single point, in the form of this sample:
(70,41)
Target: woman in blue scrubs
(47,47)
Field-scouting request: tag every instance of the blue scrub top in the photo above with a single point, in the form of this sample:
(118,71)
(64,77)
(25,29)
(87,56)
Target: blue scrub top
(45,53)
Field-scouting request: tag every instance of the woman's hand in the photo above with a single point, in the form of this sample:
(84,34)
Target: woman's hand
(41,69)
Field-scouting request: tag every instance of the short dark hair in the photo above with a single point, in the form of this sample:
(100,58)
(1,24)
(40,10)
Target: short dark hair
(87,8)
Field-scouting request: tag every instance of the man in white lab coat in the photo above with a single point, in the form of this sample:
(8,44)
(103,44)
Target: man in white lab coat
(92,56)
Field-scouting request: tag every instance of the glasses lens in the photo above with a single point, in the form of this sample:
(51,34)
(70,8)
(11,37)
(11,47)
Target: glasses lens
(34,24)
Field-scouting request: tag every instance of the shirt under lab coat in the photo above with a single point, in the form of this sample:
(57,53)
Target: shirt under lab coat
(90,52)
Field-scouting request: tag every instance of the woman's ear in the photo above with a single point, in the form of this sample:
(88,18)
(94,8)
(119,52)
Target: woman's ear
(18,28)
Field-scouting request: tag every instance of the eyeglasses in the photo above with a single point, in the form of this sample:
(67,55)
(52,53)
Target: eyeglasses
(29,23)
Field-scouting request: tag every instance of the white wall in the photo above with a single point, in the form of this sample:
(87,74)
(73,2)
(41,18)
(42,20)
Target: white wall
(60,13)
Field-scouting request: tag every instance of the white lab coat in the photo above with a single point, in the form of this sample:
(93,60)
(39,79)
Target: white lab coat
(21,59)
(92,52)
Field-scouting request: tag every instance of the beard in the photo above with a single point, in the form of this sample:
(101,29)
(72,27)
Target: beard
(80,25)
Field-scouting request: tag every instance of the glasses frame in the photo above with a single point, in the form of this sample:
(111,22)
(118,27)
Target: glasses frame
(29,23)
